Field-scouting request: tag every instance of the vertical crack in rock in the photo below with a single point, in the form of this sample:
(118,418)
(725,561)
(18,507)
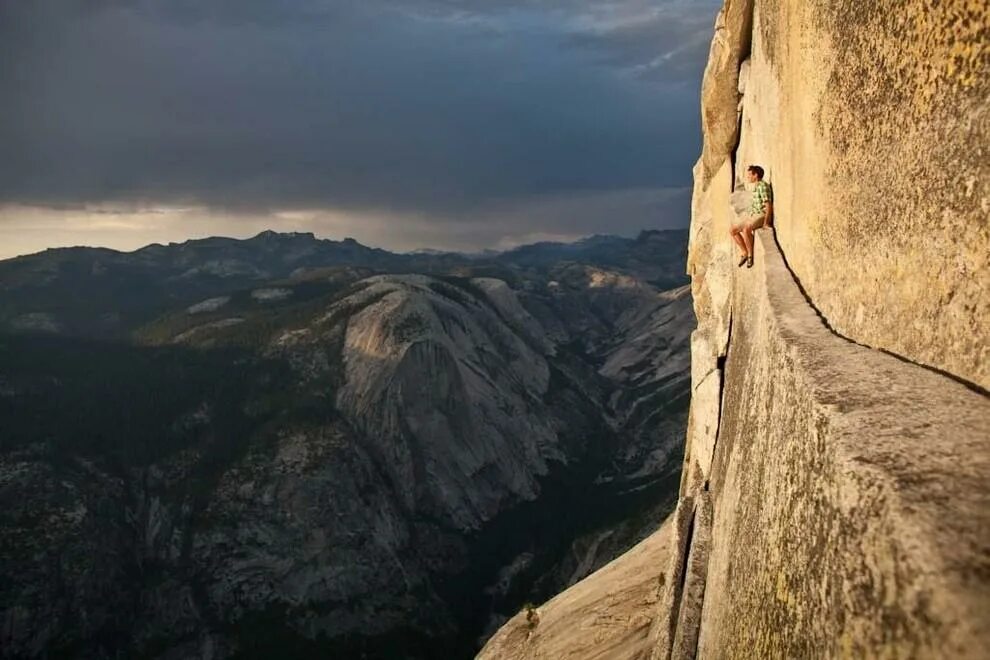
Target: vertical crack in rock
(720,368)
(685,644)
(684,563)
(677,631)
(734,153)
(665,625)
(719,93)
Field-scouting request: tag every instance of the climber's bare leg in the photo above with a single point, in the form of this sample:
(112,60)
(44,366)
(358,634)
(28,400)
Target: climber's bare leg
(747,236)
(736,232)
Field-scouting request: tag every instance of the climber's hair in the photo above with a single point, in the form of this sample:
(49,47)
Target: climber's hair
(757,170)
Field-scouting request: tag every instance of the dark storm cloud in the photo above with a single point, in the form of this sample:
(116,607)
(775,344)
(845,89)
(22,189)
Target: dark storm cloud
(668,46)
(426,106)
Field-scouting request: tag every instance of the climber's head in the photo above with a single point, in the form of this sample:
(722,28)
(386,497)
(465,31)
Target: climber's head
(754,173)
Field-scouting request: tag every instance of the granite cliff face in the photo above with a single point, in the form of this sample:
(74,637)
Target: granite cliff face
(834,501)
(295,456)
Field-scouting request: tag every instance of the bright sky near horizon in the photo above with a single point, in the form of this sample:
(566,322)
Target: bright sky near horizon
(401,123)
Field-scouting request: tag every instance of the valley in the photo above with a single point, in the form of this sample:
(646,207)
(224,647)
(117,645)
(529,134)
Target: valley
(235,448)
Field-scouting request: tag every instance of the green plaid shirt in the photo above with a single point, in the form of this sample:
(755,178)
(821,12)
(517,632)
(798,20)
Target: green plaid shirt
(761,196)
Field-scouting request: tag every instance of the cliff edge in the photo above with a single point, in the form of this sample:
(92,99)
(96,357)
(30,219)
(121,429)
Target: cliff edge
(835,496)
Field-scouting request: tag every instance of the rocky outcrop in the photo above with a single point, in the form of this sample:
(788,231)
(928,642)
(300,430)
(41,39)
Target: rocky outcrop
(606,615)
(450,395)
(848,487)
(872,121)
(834,500)
(719,94)
(849,495)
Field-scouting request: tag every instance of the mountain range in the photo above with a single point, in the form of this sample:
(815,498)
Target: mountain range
(286,445)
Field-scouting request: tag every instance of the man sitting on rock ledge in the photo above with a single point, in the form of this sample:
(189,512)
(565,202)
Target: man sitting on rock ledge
(760,215)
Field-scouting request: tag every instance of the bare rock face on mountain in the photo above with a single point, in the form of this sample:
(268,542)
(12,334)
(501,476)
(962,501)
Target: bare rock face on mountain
(719,93)
(834,500)
(837,495)
(871,120)
(453,400)
(332,461)
(607,615)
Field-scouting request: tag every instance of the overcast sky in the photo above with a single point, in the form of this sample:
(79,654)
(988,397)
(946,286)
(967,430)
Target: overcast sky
(402,123)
